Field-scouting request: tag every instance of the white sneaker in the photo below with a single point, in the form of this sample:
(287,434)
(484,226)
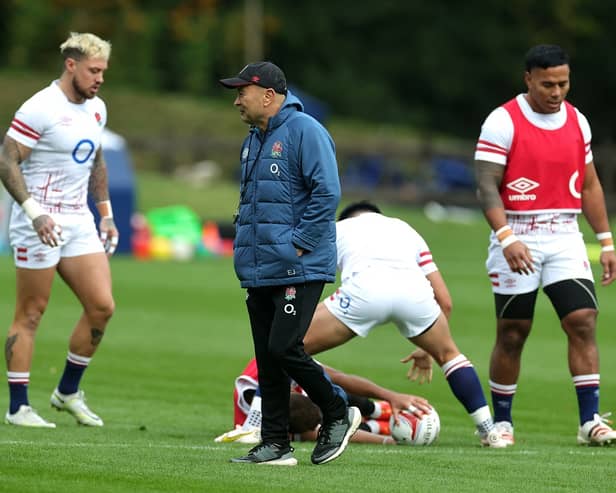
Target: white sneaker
(493,439)
(240,435)
(26,416)
(597,431)
(252,437)
(505,428)
(75,404)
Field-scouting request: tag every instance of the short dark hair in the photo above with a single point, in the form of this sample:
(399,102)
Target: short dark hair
(304,415)
(355,207)
(545,56)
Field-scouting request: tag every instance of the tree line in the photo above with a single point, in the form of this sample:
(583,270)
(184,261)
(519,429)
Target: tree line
(438,66)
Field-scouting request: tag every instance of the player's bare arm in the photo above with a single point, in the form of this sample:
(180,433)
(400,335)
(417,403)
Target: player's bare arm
(595,212)
(357,385)
(441,293)
(99,185)
(489,177)
(99,191)
(13,153)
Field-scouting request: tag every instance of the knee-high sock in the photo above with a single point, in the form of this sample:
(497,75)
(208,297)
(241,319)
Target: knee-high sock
(502,400)
(73,371)
(464,383)
(587,390)
(18,389)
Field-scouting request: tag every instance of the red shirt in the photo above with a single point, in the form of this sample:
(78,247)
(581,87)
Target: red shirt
(545,168)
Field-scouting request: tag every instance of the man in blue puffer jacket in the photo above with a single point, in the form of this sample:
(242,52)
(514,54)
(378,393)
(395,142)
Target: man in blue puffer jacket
(284,253)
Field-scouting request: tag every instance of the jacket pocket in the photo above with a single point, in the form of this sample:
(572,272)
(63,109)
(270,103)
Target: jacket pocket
(279,260)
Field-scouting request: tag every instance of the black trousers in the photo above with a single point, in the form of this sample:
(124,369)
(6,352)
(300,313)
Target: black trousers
(279,318)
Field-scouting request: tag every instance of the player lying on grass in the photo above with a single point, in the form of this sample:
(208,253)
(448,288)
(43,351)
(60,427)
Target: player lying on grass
(305,417)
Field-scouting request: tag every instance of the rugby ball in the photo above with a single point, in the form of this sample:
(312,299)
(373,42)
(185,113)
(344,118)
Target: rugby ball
(415,430)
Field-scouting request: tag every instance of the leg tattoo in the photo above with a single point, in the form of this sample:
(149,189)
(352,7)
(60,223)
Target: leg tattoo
(8,349)
(97,335)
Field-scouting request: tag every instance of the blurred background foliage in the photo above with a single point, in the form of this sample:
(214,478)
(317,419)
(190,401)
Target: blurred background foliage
(404,85)
(436,66)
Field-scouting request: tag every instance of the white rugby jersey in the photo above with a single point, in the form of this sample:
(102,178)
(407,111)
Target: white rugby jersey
(372,240)
(64,138)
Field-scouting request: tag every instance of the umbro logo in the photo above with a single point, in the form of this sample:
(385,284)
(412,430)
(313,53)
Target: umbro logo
(522,185)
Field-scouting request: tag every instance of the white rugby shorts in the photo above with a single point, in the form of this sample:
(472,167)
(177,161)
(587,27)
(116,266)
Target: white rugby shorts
(374,297)
(556,257)
(79,237)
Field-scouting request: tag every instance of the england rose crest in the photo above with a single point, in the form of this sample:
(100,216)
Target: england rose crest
(277,149)
(289,293)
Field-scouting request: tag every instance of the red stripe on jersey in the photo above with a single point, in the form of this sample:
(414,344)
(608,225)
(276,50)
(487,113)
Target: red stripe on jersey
(491,145)
(493,151)
(23,259)
(425,262)
(26,127)
(22,249)
(423,254)
(25,132)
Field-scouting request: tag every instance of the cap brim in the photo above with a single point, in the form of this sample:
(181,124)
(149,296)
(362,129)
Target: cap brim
(234,82)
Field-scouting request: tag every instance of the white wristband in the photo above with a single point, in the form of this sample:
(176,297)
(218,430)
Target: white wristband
(604,236)
(32,208)
(607,248)
(104,209)
(506,227)
(508,241)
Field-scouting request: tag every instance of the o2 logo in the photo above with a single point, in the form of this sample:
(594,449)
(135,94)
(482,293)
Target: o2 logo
(83,151)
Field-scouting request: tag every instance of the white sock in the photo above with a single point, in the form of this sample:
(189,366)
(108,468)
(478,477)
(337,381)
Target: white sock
(483,420)
(253,420)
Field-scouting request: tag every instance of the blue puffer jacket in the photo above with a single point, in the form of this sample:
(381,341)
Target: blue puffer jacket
(289,193)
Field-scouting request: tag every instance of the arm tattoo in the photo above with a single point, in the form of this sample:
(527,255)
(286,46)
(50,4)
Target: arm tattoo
(96,336)
(98,185)
(8,349)
(10,174)
(489,177)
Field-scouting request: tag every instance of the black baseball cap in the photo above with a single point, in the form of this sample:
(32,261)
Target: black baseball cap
(264,74)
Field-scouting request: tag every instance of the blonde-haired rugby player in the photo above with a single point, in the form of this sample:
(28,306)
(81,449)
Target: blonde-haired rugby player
(51,162)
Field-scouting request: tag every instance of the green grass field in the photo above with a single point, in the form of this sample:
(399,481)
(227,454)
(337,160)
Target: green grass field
(162,380)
